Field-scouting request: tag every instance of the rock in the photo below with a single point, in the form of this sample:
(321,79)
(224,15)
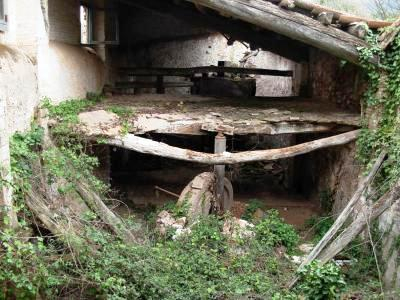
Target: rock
(258,215)
(181,221)
(197,196)
(164,221)
(236,228)
(180,232)
(306,248)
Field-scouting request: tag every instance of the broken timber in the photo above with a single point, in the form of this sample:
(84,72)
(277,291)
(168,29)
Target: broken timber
(290,24)
(345,214)
(143,145)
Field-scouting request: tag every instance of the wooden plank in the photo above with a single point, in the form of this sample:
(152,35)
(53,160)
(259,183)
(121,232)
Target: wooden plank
(188,72)
(146,146)
(290,24)
(360,223)
(152,84)
(345,214)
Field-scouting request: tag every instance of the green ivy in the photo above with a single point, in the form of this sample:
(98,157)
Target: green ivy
(384,78)
(272,231)
(321,282)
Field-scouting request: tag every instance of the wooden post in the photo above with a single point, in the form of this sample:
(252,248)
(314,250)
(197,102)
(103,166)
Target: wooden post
(160,85)
(220,147)
(221,63)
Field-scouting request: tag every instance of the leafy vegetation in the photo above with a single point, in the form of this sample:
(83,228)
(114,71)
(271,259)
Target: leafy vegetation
(251,208)
(202,265)
(272,231)
(319,281)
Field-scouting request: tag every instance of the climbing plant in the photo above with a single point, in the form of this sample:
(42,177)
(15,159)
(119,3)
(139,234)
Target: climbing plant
(380,108)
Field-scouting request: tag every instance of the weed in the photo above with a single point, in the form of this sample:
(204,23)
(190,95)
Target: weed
(272,231)
(324,282)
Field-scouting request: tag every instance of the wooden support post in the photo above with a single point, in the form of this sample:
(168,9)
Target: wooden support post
(160,85)
(221,63)
(220,147)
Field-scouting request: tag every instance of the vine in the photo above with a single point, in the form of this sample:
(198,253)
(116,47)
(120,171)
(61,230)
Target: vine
(380,125)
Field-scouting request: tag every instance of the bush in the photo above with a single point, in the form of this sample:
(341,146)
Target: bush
(273,231)
(319,281)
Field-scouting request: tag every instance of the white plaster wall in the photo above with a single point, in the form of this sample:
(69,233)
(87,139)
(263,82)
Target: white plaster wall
(208,50)
(18,88)
(69,72)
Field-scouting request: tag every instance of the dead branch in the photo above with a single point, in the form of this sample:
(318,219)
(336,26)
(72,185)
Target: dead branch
(360,223)
(97,205)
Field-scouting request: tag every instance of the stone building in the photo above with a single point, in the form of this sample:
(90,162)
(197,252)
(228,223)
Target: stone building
(280,80)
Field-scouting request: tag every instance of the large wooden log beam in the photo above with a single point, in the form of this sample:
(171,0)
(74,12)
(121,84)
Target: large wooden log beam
(143,145)
(342,17)
(290,24)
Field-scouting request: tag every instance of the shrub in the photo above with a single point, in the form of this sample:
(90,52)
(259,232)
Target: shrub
(273,231)
(319,281)
(251,208)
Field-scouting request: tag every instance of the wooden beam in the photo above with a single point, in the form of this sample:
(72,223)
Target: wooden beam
(146,146)
(342,17)
(388,36)
(344,215)
(290,24)
(151,84)
(360,223)
(187,72)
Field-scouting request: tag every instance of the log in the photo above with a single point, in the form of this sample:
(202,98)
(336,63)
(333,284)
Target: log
(143,145)
(360,223)
(343,17)
(345,214)
(97,205)
(291,24)
(388,36)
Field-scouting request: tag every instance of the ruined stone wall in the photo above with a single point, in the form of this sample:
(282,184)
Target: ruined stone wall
(168,42)
(328,176)
(336,82)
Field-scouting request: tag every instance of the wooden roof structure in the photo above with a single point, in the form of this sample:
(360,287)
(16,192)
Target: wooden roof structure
(285,27)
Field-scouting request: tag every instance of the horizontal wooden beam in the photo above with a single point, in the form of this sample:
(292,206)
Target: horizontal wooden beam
(343,17)
(290,24)
(187,72)
(146,146)
(151,84)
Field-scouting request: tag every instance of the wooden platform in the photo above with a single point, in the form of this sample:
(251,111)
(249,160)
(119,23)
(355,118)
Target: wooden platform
(195,115)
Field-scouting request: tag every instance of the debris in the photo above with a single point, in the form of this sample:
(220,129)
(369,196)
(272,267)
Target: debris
(164,221)
(306,248)
(238,229)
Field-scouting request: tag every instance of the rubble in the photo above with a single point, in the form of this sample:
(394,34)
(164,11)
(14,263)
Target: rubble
(238,229)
